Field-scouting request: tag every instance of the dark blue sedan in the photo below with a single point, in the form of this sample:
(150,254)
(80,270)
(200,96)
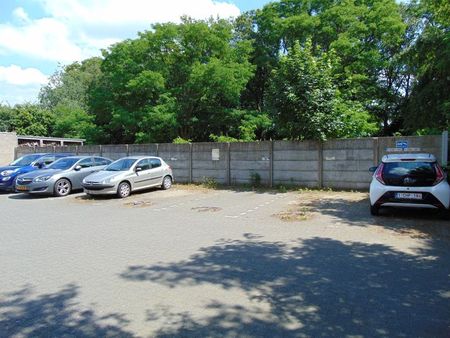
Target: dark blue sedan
(24,165)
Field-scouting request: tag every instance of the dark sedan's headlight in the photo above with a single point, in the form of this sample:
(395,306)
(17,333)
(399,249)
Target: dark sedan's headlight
(42,178)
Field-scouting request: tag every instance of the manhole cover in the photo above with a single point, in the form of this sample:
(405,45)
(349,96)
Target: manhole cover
(207,209)
(139,204)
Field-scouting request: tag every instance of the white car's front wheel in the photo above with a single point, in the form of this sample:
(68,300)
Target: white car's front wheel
(123,190)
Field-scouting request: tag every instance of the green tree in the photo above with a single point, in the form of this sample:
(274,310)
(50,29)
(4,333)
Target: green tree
(429,106)
(178,79)
(306,101)
(6,118)
(70,84)
(366,36)
(67,96)
(74,122)
(32,119)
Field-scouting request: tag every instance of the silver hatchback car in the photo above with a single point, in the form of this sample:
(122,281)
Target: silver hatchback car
(60,177)
(129,174)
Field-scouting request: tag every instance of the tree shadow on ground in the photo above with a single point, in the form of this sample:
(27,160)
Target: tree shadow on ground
(423,223)
(318,287)
(54,315)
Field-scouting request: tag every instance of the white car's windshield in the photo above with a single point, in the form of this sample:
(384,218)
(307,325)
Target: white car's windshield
(121,165)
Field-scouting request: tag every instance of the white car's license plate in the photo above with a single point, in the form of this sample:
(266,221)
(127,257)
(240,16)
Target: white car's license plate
(408,196)
(21,188)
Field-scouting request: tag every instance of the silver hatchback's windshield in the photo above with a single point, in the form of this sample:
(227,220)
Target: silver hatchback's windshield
(25,160)
(63,163)
(121,165)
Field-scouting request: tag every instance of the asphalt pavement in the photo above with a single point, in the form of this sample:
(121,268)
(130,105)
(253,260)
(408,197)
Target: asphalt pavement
(194,262)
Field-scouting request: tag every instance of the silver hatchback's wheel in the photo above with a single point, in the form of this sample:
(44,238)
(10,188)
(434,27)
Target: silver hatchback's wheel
(167,183)
(62,187)
(124,190)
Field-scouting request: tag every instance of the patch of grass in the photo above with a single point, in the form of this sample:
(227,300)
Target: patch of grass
(255,179)
(302,213)
(210,183)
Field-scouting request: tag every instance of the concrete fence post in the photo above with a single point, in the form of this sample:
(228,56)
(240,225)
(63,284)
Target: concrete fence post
(271,163)
(444,148)
(128,149)
(320,164)
(54,149)
(229,163)
(100,150)
(376,151)
(157,149)
(190,163)
(76,150)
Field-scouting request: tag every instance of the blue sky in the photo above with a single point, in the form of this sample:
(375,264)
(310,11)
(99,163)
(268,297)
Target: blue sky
(37,35)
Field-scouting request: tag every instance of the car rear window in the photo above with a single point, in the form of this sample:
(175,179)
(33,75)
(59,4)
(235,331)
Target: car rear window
(413,174)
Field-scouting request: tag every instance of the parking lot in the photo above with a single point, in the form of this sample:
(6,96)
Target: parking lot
(197,262)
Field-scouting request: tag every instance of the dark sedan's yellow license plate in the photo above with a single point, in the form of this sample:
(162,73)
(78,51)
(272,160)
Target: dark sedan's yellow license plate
(21,188)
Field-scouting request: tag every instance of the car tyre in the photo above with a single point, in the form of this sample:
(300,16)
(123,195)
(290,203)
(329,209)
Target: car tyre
(124,190)
(63,187)
(374,210)
(166,183)
(445,214)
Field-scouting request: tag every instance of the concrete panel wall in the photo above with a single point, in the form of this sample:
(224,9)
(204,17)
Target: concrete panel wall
(341,164)
(427,144)
(207,166)
(346,163)
(296,163)
(178,157)
(248,159)
(8,142)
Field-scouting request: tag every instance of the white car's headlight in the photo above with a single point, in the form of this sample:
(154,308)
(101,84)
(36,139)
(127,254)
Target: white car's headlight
(107,181)
(6,178)
(42,178)
(8,172)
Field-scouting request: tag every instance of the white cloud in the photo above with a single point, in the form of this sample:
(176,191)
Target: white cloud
(119,12)
(77,29)
(12,94)
(18,76)
(18,85)
(73,30)
(46,38)
(20,14)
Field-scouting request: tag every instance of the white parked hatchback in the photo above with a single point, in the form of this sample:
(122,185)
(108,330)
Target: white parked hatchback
(409,180)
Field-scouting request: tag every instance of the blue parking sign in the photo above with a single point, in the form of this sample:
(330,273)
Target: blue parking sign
(401,144)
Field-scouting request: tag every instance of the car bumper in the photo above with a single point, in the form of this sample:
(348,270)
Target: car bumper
(437,196)
(35,188)
(100,189)
(7,185)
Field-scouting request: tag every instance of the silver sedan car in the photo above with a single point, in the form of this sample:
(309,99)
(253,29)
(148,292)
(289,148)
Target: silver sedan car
(60,177)
(129,174)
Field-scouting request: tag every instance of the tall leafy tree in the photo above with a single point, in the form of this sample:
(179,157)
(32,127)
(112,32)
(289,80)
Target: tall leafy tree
(184,77)
(6,118)
(365,35)
(429,106)
(307,102)
(32,119)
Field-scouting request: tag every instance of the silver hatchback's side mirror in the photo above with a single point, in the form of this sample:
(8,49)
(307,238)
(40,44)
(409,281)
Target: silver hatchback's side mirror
(138,169)
(78,168)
